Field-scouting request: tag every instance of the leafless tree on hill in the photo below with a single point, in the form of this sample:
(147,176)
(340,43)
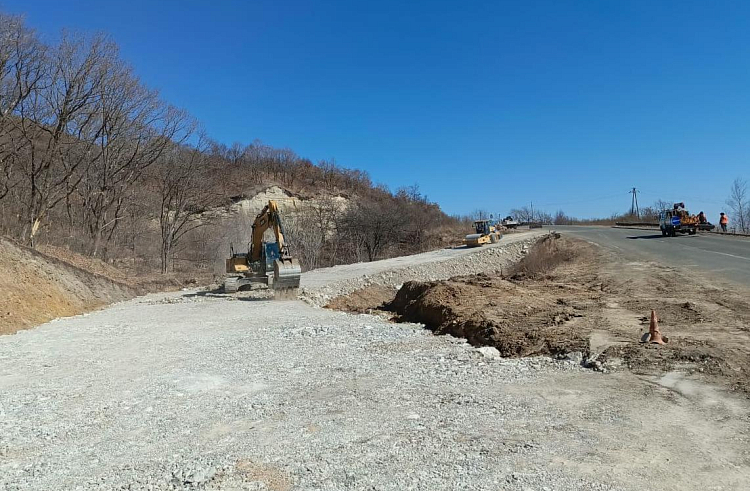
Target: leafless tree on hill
(180,183)
(60,127)
(374,224)
(22,63)
(739,204)
(136,129)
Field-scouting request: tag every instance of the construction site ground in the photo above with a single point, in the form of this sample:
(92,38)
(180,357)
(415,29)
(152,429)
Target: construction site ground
(201,390)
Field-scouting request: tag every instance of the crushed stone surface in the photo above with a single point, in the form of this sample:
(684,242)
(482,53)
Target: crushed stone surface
(194,390)
(320,286)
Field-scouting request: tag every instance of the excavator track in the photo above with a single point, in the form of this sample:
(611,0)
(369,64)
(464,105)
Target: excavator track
(231,284)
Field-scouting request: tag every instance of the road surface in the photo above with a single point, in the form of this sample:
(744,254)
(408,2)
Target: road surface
(725,257)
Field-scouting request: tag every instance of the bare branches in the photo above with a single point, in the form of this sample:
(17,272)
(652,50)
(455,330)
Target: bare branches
(739,203)
(22,64)
(179,179)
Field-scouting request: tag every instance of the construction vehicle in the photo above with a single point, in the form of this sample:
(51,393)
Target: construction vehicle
(485,233)
(677,220)
(509,222)
(265,263)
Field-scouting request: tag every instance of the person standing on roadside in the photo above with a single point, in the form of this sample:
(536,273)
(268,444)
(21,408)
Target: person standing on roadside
(723,220)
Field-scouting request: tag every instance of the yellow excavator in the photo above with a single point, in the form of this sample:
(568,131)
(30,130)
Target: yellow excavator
(266,263)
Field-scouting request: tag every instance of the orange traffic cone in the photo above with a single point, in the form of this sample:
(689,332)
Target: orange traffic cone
(653,331)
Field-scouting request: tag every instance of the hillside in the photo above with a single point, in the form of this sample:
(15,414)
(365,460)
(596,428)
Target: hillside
(36,288)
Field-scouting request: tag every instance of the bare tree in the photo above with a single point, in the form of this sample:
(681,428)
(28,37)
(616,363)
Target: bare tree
(739,204)
(522,214)
(22,63)
(661,205)
(561,218)
(374,224)
(136,128)
(180,180)
(60,127)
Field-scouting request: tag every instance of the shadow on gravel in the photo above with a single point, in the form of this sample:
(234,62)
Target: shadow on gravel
(216,292)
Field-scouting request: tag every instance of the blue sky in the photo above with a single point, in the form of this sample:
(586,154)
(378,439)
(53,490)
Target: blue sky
(486,105)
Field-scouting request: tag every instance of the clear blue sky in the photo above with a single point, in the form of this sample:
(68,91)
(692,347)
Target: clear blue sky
(483,104)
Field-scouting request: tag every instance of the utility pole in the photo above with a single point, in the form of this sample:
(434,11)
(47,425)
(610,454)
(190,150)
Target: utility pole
(634,203)
(532,212)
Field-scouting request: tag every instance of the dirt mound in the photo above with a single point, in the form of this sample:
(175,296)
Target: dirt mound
(524,314)
(364,300)
(567,296)
(491,311)
(36,288)
(548,253)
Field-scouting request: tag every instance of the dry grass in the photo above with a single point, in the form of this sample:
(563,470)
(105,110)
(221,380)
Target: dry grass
(548,253)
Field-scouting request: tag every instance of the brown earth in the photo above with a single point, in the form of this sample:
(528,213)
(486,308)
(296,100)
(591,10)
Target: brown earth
(40,285)
(36,288)
(363,301)
(568,296)
(529,312)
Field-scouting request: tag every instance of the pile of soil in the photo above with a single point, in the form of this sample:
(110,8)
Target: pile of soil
(526,313)
(364,300)
(36,288)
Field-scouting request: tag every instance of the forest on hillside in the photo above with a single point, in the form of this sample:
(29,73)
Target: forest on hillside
(93,160)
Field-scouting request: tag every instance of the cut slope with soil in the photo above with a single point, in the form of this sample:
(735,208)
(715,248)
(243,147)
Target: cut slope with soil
(36,288)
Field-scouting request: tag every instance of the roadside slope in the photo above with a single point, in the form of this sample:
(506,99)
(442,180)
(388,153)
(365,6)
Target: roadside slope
(36,288)
(320,286)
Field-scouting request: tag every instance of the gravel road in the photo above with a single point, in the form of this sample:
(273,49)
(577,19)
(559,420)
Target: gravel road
(194,390)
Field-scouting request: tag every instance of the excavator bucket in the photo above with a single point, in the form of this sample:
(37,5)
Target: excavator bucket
(286,274)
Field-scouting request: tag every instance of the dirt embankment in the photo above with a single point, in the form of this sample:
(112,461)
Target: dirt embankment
(529,311)
(566,297)
(36,288)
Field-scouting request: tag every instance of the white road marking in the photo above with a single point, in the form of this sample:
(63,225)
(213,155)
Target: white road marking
(717,252)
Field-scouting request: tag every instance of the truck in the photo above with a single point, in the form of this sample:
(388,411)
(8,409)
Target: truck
(677,221)
(509,222)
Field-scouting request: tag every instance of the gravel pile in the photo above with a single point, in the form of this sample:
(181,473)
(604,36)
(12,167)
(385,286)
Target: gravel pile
(430,266)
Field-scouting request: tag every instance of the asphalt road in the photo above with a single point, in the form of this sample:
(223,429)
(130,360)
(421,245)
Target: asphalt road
(725,257)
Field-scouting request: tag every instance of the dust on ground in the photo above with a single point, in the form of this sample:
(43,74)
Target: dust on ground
(567,298)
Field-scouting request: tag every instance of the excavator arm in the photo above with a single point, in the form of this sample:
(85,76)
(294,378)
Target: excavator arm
(267,218)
